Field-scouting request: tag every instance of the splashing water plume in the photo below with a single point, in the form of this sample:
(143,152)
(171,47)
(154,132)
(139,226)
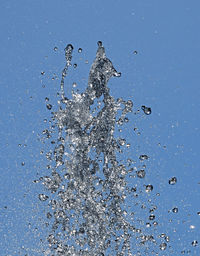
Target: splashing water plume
(88,187)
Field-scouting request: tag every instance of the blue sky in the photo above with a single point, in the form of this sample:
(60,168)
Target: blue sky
(164,75)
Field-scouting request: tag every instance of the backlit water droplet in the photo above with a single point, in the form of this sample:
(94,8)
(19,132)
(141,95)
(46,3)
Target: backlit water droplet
(163,246)
(149,188)
(49,106)
(146,110)
(141,174)
(173,181)
(194,243)
(143,157)
(175,210)
(43,197)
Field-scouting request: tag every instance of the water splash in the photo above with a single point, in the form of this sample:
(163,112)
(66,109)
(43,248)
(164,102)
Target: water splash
(89,191)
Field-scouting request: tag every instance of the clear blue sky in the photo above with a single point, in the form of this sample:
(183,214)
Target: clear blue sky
(164,75)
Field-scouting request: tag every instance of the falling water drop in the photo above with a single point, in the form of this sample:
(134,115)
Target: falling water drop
(146,110)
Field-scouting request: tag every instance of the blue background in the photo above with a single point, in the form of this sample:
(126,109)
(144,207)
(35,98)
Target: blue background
(164,75)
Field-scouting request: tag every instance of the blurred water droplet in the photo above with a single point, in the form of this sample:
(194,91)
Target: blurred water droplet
(146,110)
(163,246)
(167,239)
(149,188)
(194,243)
(49,106)
(42,73)
(55,48)
(173,181)
(175,210)
(141,174)
(143,157)
(80,50)
(135,52)
(43,197)
(152,217)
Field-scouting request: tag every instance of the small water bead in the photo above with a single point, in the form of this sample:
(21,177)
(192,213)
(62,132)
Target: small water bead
(152,217)
(126,120)
(135,52)
(148,225)
(141,174)
(74,85)
(198,213)
(122,142)
(49,106)
(167,239)
(49,215)
(173,181)
(55,48)
(42,73)
(175,210)
(146,110)
(80,50)
(43,197)
(149,188)
(194,243)
(143,157)
(46,99)
(75,65)
(163,246)
(23,163)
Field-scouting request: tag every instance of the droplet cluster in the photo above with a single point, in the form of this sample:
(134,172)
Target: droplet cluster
(89,186)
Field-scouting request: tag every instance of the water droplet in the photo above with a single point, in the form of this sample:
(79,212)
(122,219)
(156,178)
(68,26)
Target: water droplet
(163,246)
(99,43)
(122,142)
(75,65)
(146,110)
(55,48)
(141,174)
(74,85)
(148,225)
(135,52)
(49,106)
(194,243)
(173,181)
(43,197)
(49,215)
(152,217)
(167,239)
(175,210)
(149,188)
(80,50)
(198,213)
(23,163)
(143,157)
